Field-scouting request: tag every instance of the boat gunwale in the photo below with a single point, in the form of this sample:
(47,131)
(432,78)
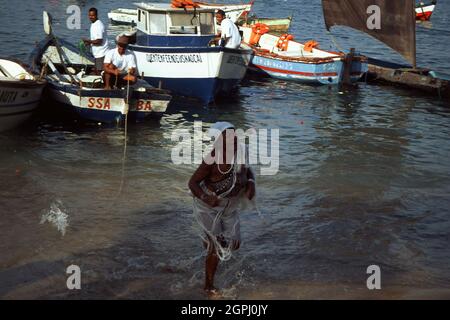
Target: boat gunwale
(308,60)
(10,82)
(102,92)
(76,88)
(26,83)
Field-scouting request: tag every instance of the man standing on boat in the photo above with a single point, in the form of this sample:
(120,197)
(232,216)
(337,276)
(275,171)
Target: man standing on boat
(98,41)
(119,65)
(220,185)
(229,37)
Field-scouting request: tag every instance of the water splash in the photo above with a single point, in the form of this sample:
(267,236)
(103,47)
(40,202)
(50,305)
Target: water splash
(57,216)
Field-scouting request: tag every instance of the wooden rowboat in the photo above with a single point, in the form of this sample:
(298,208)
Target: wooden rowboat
(75,90)
(299,63)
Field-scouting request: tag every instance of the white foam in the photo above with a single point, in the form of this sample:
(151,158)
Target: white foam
(57,217)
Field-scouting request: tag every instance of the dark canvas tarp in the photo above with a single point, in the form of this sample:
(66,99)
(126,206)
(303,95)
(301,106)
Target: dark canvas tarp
(397,17)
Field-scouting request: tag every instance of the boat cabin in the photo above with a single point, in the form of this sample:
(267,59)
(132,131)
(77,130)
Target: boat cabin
(160,25)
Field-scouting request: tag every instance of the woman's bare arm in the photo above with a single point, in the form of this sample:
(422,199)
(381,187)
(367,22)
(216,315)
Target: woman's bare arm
(203,171)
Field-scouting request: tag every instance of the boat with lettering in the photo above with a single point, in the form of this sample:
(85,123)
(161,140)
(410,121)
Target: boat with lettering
(424,10)
(235,12)
(174,51)
(283,58)
(72,86)
(20,93)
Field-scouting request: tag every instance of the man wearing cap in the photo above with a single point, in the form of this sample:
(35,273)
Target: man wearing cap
(98,41)
(229,36)
(120,65)
(219,186)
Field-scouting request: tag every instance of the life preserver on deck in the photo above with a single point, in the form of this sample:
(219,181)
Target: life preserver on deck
(310,45)
(186,4)
(283,41)
(258,29)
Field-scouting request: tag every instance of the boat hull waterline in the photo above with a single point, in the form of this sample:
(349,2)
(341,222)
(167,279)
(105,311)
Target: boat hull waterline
(312,66)
(201,73)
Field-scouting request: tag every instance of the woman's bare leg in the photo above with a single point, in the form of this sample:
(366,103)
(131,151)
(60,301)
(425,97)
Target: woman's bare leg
(212,261)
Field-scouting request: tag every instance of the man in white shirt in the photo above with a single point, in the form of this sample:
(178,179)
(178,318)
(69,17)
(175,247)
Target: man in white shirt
(98,40)
(119,65)
(229,36)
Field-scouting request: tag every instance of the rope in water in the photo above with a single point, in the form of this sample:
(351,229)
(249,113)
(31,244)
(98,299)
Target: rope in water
(124,157)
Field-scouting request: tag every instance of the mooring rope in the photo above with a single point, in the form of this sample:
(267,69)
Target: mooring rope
(124,156)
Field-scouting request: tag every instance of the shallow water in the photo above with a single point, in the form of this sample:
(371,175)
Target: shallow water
(363,179)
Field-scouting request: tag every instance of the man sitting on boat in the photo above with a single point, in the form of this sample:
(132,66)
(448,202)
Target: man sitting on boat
(229,37)
(98,41)
(120,65)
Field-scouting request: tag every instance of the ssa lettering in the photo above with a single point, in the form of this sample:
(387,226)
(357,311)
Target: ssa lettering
(99,103)
(144,105)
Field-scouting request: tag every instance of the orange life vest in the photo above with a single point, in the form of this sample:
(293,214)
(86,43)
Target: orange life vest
(258,29)
(310,45)
(187,4)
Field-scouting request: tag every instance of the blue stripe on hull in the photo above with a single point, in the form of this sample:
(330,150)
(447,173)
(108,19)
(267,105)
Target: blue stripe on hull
(192,50)
(323,73)
(203,89)
(303,79)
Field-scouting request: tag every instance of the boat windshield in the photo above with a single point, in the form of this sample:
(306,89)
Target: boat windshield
(182,23)
(176,23)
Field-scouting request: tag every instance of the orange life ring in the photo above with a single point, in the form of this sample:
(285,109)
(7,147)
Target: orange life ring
(260,28)
(187,4)
(310,45)
(283,41)
(280,41)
